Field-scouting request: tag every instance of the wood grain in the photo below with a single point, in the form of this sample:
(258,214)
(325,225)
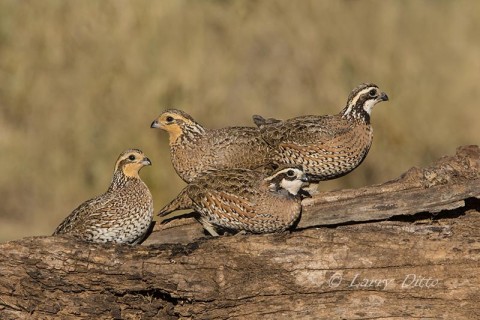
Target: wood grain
(416,265)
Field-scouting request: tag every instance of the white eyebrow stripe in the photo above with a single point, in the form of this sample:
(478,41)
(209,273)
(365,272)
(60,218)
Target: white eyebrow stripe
(270,178)
(349,109)
(359,94)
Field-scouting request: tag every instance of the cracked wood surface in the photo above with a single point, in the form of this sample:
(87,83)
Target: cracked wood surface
(426,267)
(425,270)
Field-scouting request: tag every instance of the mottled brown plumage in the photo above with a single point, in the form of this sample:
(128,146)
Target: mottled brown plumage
(123,214)
(328,146)
(194,149)
(242,199)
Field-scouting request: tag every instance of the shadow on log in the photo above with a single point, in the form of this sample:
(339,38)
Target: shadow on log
(409,248)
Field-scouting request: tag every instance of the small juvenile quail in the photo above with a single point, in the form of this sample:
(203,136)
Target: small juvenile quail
(123,214)
(194,149)
(242,199)
(328,146)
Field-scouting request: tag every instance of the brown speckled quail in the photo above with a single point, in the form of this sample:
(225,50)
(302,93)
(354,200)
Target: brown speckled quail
(123,214)
(194,149)
(242,199)
(328,146)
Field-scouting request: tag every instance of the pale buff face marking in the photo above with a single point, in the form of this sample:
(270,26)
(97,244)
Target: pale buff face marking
(131,163)
(173,123)
(131,169)
(170,123)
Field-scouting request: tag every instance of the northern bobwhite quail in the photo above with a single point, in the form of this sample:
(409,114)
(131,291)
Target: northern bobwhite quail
(243,199)
(327,146)
(194,149)
(123,214)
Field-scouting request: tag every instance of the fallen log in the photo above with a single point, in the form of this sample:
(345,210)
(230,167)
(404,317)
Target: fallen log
(409,248)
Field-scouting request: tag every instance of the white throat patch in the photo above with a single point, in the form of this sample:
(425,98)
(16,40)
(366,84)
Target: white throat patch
(368,106)
(292,186)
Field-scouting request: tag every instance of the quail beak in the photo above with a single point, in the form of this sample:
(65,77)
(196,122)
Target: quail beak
(305,180)
(155,124)
(146,162)
(383,97)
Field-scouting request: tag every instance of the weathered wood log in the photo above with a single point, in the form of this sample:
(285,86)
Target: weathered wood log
(418,265)
(442,186)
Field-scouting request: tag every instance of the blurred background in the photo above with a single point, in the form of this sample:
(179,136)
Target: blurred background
(80,81)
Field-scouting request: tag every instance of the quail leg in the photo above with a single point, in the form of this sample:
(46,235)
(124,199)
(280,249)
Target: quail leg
(208,226)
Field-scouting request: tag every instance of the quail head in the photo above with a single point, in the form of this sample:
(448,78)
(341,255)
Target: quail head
(123,214)
(194,149)
(327,146)
(242,199)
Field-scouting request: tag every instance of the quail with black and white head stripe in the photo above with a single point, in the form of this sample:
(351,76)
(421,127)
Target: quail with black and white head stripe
(327,146)
(243,200)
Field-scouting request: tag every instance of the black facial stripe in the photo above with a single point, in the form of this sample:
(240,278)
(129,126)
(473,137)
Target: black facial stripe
(363,98)
(360,88)
(283,175)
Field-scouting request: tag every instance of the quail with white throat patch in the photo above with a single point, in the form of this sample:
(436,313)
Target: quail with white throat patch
(194,149)
(123,214)
(242,199)
(327,146)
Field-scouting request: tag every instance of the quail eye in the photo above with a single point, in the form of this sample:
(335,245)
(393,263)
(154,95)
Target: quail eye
(290,173)
(169,119)
(372,93)
(131,157)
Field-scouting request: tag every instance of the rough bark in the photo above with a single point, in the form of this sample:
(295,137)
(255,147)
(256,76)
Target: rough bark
(421,263)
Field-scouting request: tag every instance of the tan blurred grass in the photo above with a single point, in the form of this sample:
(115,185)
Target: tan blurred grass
(81,80)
